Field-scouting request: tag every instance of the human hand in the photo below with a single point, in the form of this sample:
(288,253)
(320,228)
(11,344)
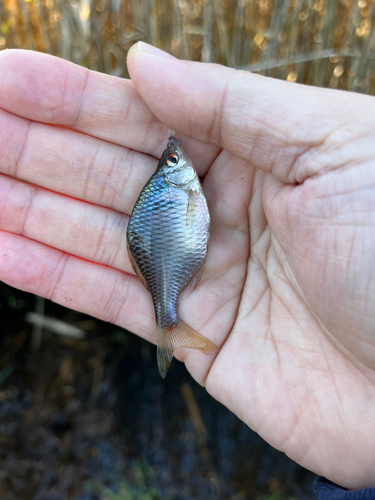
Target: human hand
(292,199)
(290,308)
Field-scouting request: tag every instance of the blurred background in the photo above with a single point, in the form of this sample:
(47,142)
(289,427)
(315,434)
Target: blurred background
(84,414)
(329,43)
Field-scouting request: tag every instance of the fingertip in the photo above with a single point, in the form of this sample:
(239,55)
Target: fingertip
(144,59)
(145,48)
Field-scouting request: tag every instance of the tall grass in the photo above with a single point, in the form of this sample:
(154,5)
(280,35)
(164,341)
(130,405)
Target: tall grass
(327,43)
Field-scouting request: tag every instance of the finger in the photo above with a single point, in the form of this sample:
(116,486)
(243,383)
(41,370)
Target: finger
(290,130)
(93,233)
(72,163)
(91,288)
(76,164)
(47,89)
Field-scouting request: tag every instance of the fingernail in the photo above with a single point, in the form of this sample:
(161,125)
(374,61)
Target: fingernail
(150,49)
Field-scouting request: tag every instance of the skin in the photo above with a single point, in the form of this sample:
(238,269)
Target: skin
(289,284)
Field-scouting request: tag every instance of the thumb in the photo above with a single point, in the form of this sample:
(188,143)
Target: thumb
(290,130)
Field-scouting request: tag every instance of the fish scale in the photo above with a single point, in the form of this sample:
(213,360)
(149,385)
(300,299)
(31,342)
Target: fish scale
(167,238)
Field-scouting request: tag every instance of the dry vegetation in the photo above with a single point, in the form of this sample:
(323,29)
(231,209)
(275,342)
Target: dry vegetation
(319,42)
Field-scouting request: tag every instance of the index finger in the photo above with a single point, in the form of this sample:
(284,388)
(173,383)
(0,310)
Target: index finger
(47,89)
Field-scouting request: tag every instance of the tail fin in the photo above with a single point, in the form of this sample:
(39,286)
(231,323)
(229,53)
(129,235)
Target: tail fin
(181,335)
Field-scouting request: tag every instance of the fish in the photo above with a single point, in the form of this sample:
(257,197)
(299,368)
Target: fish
(167,242)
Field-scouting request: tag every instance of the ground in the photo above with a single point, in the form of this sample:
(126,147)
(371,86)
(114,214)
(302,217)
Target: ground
(92,419)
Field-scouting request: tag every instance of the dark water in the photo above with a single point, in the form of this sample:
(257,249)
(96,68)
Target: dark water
(92,419)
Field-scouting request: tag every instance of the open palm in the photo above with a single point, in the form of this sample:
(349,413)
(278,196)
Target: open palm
(289,177)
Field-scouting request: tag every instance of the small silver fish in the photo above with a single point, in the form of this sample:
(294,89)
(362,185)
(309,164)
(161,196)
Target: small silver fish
(167,241)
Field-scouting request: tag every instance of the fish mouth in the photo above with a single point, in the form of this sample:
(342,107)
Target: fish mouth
(173,144)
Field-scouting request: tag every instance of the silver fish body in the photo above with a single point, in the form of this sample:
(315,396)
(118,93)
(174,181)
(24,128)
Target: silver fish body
(167,237)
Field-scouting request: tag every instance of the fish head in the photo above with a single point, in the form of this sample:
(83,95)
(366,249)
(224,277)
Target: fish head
(177,167)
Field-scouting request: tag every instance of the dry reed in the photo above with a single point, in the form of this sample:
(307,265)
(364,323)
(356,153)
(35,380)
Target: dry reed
(328,43)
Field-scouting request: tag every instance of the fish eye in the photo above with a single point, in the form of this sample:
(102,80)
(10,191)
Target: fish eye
(172,160)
